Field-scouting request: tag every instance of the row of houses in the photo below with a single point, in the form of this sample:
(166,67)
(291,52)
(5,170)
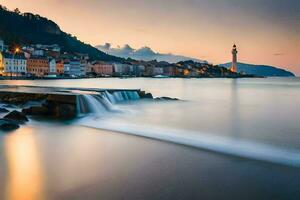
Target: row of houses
(39,66)
(46,60)
(21,64)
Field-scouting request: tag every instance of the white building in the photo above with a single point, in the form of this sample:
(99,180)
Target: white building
(234,59)
(118,68)
(52,66)
(12,65)
(75,68)
(158,71)
(121,69)
(67,67)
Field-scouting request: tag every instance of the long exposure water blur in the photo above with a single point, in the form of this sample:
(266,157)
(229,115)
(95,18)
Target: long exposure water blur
(224,138)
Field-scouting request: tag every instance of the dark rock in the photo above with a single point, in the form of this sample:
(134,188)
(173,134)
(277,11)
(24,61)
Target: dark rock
(17,116)
(36,111)
(3,110)
(62,98)
(144,95)
(21,98)
(64,111)
(8,125)
(52,110)
(167,99)
(148,96)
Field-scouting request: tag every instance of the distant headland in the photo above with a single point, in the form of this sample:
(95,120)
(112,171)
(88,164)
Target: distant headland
(260,70)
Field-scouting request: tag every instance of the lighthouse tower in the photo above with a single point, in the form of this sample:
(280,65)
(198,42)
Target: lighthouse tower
(234,59)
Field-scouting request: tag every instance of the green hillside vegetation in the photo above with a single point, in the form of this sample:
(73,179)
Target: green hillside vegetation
(18,28)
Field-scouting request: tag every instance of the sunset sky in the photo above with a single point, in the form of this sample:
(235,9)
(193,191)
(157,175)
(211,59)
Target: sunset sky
(265,31)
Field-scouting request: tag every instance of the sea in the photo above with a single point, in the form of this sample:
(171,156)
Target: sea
(222,139)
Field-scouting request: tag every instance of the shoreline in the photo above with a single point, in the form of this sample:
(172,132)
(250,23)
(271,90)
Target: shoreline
(79,78)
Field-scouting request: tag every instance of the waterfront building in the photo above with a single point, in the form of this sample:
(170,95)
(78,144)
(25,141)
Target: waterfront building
(52,66)
(12,64)
(59,67)
(121,69)
(67,67)
(102,68)
(137,70)
(169,70)
(88,68)
(83,64)
(38,66)
(234,59)
(75,68)
(140,70)
(158,71)
(149,70)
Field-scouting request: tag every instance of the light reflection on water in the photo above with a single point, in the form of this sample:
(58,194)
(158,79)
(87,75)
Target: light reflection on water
(25,176)
(50,159)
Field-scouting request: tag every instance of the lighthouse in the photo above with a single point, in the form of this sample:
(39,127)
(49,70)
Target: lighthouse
(234,59)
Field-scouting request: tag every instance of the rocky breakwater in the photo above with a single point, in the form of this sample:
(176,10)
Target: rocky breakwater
(17,107)
(61,104)
(57,106)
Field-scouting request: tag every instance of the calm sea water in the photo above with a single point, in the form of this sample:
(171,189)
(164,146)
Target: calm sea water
(254,119)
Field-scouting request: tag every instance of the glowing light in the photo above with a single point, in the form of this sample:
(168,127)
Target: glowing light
(17,50)
(24,171)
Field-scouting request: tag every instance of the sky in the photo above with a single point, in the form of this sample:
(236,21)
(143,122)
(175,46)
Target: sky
(265,31)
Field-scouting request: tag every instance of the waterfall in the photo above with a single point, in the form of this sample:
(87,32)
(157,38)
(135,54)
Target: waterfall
(104,101)
(110,97)
(92,104)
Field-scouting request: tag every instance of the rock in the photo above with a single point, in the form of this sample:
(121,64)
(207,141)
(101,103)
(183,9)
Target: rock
(144,95)
(167,99)
(58,106)
(148,96)
(64,111)
(17,116)
(3,110)
(52,110)
(62,98)
(36,111)
(21,98)
(8,125)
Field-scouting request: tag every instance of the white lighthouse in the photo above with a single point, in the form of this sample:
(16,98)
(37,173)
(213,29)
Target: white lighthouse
(234,59)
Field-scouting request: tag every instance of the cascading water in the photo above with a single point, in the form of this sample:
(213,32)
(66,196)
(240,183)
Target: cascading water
(104,101)
(94,106)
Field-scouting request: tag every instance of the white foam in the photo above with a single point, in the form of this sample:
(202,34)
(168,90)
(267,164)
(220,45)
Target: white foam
(220,144)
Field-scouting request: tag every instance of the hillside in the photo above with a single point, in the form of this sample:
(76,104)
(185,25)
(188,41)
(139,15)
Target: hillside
(27,28)
(260,70)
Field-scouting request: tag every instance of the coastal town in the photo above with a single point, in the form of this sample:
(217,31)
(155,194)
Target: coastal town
(49,61)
